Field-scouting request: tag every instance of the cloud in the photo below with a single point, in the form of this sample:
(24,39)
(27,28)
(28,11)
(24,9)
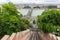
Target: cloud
(27,1)
(32,1)
(52,1)
(3,1)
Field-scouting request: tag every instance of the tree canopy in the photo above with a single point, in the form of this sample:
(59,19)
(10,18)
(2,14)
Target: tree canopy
(10,21)
(49,20)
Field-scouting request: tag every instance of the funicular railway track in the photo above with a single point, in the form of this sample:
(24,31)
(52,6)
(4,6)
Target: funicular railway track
(35,35)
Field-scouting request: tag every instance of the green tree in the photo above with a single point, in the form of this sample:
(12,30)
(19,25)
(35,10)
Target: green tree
(49,20)
(27,22)
(11,20)
(0,10)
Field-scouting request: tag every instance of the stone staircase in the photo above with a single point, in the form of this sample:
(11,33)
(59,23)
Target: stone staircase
(18,36)
(27,35)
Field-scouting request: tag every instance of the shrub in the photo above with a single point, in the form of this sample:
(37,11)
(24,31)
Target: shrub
(10,21)
(49,20)
(27,23)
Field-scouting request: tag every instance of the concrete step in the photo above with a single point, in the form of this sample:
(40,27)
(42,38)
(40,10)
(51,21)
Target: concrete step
(6,37)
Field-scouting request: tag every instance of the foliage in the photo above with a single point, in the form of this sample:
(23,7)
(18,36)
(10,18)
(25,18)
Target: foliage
(49,20)
(37,7)
(10,21)
(27,7)
(0,10)
(27,23)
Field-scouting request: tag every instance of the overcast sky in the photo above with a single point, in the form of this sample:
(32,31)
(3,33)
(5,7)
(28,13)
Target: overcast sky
(31,1)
